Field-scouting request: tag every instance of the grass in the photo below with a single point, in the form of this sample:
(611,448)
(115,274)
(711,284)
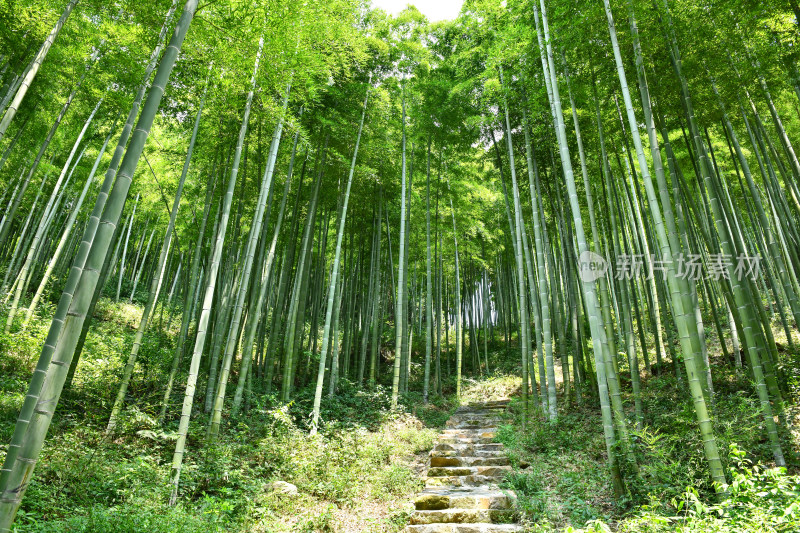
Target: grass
(363,468)
(358,474)
(562,482)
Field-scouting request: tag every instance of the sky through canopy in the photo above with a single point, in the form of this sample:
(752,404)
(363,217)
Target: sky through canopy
(435,10)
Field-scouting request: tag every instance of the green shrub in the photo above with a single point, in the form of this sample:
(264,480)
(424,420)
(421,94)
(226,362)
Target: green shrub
(123,519)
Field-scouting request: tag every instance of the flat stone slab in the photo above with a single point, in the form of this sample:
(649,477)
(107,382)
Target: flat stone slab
(472,498)
(473,453)
(482,429)
(461,516)
(465,440)
(464,528)
(473,418)
(467,448)
(440,471)
(461,481)
(500,460)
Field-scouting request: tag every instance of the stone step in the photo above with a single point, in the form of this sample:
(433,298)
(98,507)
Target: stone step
(461,516)
(473,453)
(478,408)
(503,403)
(476,415)
(445,439)
(477,418)
(464,528)
(462,481)
(456,418)
(460,417)
(485,405)
(461,493)
(448,431)
(470,432)
(499,460)
(468,448)
(447,471)
(479,412)
(484,420)
(471,498)
(471,425)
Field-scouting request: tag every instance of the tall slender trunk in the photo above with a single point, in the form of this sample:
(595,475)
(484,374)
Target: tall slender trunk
(335,273)
(301,281)
(202,327)
(65,236)
(156,282)
(741,294)
(543,307)
(244,284)
(457,293)
(518,253)
(125,250)
(42,149)
(191,294)
(377,315)
(260,301)
(48,210)
(589,289)
(428,280)
(27,80)
(56,357)
(400,317)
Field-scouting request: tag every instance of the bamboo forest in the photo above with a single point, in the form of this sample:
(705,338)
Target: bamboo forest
(360,266)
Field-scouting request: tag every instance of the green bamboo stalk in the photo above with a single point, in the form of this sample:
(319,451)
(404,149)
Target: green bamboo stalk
(21,464)
(208,298)
(261,299)
(156,282)
(301,281)
(30,74)
(589,290)
(43,226)
(518,253)
(401,273)
(428,279)
(335,273)
(742,298)
(65,236)
(255,232)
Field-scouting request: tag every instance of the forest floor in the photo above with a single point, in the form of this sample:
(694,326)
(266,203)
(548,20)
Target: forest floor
(358,474)
(562,482)
(361,472)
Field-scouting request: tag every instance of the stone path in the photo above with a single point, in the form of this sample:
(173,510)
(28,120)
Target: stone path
(461,493)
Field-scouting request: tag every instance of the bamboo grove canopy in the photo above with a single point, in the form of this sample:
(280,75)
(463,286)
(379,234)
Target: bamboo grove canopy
(319,192)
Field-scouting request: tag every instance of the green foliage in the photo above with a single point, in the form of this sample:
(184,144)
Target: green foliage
(436,413)
(562,482)
(758,499)
(363,459)
(123,519)
(497,385)
(448,75)
(350,408)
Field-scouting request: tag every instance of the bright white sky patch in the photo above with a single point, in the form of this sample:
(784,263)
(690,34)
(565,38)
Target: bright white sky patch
(434,10)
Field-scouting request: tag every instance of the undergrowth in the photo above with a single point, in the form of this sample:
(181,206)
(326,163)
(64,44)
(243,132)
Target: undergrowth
(358,473)
(562,481)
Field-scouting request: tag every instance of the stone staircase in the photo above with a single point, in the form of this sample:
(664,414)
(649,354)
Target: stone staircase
(461,493)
